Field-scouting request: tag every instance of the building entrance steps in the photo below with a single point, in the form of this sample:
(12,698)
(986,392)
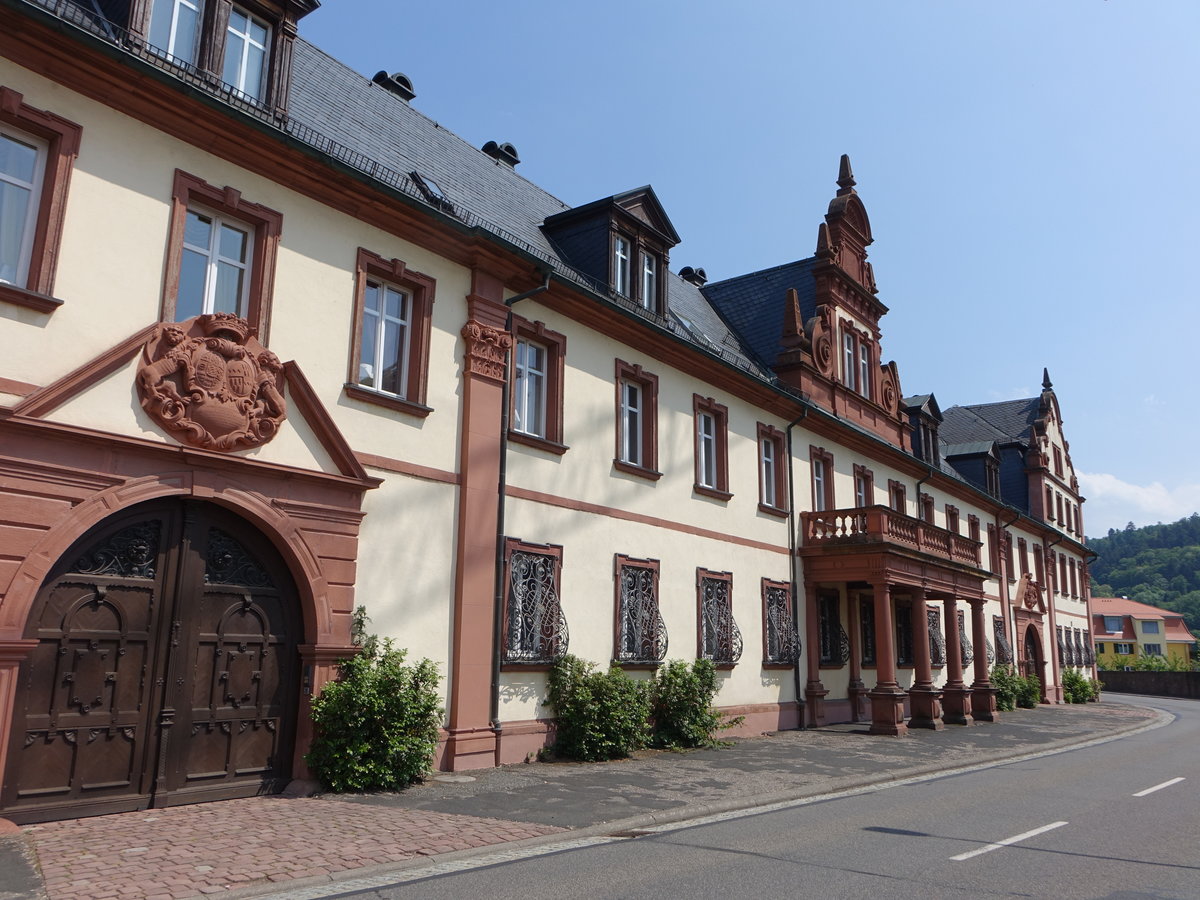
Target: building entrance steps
(240,848)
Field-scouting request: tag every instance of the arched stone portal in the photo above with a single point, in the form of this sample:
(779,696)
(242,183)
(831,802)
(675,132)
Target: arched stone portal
(165,669)
(1034,661)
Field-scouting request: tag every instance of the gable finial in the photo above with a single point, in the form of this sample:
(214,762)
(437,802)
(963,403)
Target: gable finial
(845,180)
(1046,385)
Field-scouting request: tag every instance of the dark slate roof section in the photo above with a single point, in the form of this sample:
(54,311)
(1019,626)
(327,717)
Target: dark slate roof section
(342,105)
(754,304)
(973,448)
(1010,418)
(962,425)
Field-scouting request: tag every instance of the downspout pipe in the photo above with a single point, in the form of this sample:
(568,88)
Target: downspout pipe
(501,488)
(797,595)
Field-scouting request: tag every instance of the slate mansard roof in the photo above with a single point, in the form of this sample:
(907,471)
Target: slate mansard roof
(754,304)
(1006,422)
(337,102)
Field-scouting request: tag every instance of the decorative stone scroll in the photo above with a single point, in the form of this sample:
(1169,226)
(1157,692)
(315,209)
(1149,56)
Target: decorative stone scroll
(486,351)
(210,384)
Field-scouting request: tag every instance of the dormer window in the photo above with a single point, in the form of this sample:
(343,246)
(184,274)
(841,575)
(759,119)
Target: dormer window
(622,243)
(992,470)
(620,278)
(175,29)
(246,41)
(247,48)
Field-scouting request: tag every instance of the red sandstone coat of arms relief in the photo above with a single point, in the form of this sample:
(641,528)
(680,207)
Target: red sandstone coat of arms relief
(211,384)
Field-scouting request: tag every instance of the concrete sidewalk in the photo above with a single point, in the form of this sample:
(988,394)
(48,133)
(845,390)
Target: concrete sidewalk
(240,848)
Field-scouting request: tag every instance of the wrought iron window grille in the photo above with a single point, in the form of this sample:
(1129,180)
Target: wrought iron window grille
(1003,649)
(835,643)
(720,637)
(937,642)
(535,629)
(904,635)
(783,644)
(964,643)
(866,616)
(643,633)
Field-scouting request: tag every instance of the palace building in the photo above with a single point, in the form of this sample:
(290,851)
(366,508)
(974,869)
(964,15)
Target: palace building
(277,345)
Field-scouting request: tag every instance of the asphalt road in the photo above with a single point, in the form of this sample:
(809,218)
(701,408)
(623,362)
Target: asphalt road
(1110,821)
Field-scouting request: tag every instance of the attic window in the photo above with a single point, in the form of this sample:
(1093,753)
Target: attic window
(432,192)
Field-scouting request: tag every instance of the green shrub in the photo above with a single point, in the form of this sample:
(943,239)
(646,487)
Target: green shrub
(1006,682)
(681,706)
(601,715)
(1029,692)
(1096,687)
(377,725)
(1076,688)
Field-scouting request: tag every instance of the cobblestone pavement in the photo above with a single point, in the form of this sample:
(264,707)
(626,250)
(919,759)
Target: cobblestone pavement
(210,848)
(269,843)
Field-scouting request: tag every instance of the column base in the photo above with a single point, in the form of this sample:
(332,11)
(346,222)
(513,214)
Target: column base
(858,693)
(926,705)
(887,712)
(470,748)
(983,703)
(814,697)
(956,706)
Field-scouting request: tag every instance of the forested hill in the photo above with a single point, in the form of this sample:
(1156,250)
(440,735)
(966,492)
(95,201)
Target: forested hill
(1158,564)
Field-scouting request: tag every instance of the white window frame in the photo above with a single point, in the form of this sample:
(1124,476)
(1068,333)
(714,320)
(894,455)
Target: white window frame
(29,228)
(379,320)
(529,388)
(247,41)
(633,410)
(621,261)
(212,254)
(1122,648)
(649,280)
(860,491)
(1151,628)
(818,479)
(769,463)
(849,360)
(1108,620)
(1152,650)
(864,369)
(706,449)
(171,50)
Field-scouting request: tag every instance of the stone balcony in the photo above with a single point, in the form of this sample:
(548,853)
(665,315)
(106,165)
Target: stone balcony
(882,528)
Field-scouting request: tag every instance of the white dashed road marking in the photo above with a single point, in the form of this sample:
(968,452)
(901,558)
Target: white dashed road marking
(1007,841)
(1158,787)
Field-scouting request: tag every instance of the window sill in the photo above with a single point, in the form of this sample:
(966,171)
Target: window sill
(722,666)
(637,665)
(540,443)
(832,666)
(773,511)
(43,303)
(526,666)
(640,471)
(776,664)
(715,493)
(390,401)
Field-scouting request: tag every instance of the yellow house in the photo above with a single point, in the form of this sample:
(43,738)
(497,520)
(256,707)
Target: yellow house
(1125,627)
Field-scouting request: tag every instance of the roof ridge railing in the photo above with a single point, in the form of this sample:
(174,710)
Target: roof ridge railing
(101,28)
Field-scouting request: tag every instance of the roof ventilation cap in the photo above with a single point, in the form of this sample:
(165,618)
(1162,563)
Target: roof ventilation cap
(398,83)
(697,277)
(505,152)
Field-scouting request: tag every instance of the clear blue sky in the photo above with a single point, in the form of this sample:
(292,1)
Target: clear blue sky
(1030,169)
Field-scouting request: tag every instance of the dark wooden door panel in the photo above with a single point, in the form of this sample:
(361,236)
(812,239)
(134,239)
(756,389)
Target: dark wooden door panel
(166,669)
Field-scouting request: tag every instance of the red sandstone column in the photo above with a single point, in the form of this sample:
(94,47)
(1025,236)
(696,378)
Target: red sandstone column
(814,691)
(471,742)
(923,697)
(983,695)
(956,696)
(887,700)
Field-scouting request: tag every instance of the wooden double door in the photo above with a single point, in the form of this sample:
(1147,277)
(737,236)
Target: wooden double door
(166,669)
